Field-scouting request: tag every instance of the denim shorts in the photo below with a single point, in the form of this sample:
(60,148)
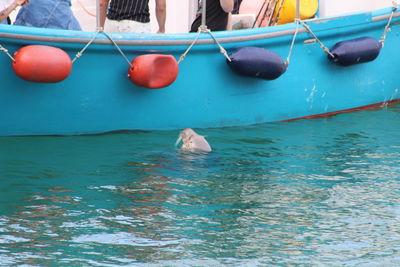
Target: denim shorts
(55,14)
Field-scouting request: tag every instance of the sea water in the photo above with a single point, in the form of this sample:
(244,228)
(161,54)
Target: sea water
(322,192)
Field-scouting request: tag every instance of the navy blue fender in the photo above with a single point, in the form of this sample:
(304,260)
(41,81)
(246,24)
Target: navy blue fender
(257,62)
(355,51)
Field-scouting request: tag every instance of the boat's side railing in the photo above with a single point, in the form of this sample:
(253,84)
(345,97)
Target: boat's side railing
(184,39)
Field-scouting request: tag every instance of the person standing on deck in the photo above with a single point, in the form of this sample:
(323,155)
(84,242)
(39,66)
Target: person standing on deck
(131,16)
(55,14)
(217,15)
(5,11)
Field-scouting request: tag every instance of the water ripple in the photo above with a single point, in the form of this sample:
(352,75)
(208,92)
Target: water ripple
(307,193)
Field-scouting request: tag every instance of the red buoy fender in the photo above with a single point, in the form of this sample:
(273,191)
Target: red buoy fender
(153,71)
(42,64)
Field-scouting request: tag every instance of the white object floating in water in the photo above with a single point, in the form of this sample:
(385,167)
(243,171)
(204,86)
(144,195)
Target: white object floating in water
(192,142)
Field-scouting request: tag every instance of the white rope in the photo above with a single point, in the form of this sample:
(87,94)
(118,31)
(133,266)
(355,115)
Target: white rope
(204,29)
(79,54)
(119,49)
(387,27)
(326,49)
(292,44)
(100,30)
(221,49)
(182,57)
(6,51)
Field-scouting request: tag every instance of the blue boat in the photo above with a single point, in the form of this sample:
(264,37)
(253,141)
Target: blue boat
(98,97)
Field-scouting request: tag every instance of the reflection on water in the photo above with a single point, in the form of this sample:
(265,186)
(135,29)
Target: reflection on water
(313,192)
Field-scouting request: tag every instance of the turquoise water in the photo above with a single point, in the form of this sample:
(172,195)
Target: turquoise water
(321,192)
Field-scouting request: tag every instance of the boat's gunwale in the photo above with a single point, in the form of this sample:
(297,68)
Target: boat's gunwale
(184,39)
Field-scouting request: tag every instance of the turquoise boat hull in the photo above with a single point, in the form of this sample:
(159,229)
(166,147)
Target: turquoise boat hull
(98,97)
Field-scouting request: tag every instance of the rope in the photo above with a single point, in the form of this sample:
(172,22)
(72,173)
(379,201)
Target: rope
(259,12)
(221,49)
(79,54)
(119,49)
(203,29)
(387,27)
(277,14)
(6,51)
(292,45)
(85,9)
(100,30)
(182,57)
(268,13)
(326,49)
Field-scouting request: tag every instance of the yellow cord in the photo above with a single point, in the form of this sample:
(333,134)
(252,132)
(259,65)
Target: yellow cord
(85,9)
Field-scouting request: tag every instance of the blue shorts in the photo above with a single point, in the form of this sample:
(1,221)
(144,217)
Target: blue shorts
(55,14)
